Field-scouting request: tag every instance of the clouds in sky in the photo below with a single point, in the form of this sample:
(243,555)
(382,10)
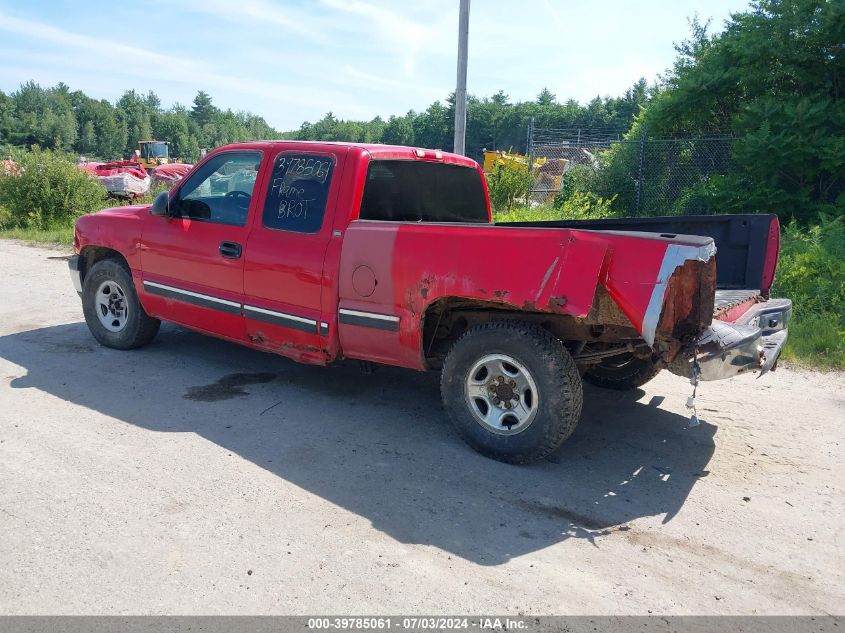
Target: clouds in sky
(295,60)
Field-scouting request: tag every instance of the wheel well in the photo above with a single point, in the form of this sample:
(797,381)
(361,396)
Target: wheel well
(446,319)
(90,255)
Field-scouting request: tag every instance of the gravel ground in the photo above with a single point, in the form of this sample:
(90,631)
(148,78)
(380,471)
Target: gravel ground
(196,476)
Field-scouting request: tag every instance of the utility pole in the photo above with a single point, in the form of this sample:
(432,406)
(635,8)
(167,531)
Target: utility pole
(461,89)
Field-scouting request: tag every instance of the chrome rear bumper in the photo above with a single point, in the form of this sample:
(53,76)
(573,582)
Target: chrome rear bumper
(753,343)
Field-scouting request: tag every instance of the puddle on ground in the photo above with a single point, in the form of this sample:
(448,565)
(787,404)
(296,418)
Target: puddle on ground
(227,387)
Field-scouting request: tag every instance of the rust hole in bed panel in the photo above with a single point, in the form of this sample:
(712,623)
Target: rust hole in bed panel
(688,306)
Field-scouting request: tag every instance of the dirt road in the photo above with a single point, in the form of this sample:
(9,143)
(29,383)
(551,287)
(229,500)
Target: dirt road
(195,476)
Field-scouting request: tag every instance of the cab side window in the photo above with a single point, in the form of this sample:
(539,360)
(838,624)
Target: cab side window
(221,190)
(298,191)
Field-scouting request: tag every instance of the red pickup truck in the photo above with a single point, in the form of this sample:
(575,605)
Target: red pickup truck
(385,254)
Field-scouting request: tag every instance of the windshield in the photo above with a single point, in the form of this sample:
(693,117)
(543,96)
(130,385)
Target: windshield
(154,150)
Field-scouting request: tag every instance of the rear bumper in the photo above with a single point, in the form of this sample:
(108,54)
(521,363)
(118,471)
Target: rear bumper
(75,277)
(753,343)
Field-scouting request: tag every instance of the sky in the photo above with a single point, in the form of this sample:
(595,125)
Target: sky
(295,60)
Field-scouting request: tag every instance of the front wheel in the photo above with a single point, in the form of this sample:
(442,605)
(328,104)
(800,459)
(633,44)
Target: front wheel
(112,309)
(512,391)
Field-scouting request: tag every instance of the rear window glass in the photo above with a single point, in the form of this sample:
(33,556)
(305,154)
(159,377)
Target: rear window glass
(412,191)
(299,187)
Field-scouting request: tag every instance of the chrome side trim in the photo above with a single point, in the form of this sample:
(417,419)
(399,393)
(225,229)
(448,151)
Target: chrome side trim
(190,293)
(370,315)
(194,298)
(281,318)
(374,320)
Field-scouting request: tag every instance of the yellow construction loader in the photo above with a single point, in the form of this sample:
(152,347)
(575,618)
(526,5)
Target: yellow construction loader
(152,153)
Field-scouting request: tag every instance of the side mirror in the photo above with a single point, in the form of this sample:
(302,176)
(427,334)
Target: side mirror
(161,205)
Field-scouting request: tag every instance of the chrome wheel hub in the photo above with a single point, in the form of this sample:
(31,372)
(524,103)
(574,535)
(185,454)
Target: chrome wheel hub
(111,306)
(501,394)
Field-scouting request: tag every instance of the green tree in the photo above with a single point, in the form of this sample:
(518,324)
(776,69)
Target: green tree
(6,121)
(546,97)
(399,130)
(774,79)
(136,112)
(203,110)
(88,138)
(112,134)
(42,116)
(435,127)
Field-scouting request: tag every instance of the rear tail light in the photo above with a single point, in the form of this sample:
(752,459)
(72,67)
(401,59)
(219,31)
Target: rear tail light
(771,261)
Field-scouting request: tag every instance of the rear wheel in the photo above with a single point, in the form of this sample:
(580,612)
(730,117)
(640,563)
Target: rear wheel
(512,391)
(112,309)
(622,372)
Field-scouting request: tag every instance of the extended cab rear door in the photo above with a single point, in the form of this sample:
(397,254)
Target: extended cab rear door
(192,262)
(284,282)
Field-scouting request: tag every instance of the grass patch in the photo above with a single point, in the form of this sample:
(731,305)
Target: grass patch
(60,235)
(816,341)
(811,272)
(578,206)
(528,214)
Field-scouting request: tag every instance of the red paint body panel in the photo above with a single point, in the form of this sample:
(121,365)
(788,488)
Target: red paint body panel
(536,270)
(118,229)
(402,267)
(284,271)
(184,253)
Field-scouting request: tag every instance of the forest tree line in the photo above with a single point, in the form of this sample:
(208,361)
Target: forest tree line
(60,118)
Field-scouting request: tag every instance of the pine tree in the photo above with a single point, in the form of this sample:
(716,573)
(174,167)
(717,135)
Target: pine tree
(203,111)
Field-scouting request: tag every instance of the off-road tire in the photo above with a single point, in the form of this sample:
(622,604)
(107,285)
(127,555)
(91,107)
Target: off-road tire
(140,327)
(632,374)
(558,383)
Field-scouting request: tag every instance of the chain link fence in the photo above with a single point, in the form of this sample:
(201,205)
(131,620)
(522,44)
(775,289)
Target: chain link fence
(648,176)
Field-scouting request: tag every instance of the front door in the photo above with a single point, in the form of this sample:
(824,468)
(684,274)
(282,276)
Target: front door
(192,262)
(283,274)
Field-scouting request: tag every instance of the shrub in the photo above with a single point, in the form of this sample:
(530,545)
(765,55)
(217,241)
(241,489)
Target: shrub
(811,268)
(47,190)
(578,206)
(508,184)
(811,272)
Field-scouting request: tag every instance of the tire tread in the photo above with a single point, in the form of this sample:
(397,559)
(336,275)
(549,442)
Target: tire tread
(147,327)
(567,400)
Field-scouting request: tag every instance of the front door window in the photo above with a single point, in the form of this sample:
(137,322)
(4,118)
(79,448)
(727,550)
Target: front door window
(220,190)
